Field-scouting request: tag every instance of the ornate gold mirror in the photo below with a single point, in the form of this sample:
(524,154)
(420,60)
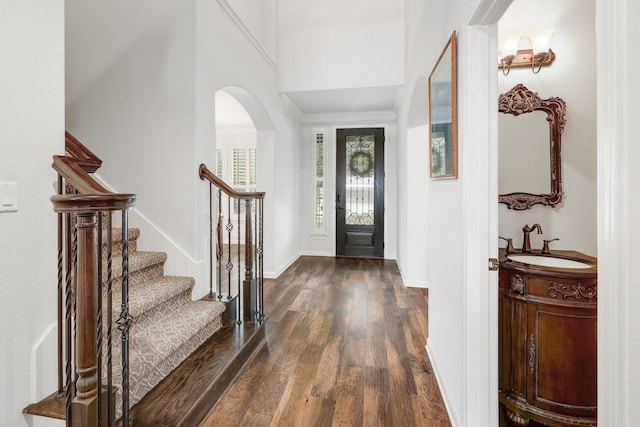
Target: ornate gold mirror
(530,151)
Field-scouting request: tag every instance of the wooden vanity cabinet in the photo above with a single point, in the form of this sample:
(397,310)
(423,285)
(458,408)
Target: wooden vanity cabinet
(547,345)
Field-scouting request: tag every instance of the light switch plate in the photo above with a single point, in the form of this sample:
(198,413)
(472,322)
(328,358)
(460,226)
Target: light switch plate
(8,197)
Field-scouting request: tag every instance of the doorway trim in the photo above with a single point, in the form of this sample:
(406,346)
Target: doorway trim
(479,97)
(480,43)
(389,214)
(613,403)
(360,235)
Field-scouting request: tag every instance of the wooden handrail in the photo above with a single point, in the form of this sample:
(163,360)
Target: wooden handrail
(248,301)
(82,255)
(93,196)
(92,202)
(210,176)
(81,154)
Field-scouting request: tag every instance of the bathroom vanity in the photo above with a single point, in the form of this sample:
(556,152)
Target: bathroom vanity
(548,339)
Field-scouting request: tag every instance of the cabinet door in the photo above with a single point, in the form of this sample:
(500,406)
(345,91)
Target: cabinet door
(512,352)
(561,363)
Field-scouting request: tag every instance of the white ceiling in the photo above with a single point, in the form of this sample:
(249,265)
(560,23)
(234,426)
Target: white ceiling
(344,100)
(329,14)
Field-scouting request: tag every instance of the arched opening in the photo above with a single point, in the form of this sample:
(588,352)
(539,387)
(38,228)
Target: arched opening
(244,151)
(236,143)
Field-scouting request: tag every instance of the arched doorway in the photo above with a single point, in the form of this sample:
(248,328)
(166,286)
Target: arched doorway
(244,151)
(236,143)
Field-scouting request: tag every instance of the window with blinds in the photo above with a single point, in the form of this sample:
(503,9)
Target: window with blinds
(219,163)
(244,169)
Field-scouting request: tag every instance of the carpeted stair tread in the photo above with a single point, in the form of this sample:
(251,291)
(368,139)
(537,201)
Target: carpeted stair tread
(116,234)
(167,325)
(138,261)
(153,293)
(160,347)
(166,335)
(116,238)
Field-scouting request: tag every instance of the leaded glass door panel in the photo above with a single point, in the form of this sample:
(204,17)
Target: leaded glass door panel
(360,192)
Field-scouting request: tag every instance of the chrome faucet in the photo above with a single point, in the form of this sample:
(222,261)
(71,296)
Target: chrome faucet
(526,243)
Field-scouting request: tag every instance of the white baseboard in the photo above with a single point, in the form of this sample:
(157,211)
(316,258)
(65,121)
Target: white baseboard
(423,284)
(43,362)
(446,395)
(44,381)
(278,272)
(317,253)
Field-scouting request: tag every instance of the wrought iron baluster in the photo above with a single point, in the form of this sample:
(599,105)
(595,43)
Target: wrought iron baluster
(248,262)
(219,244)
(254,213)
(240,307)
(125,320)
(99,349)
(60,294)
(229,263)
(261,258)
(110,401)
(69,314)
(211,241)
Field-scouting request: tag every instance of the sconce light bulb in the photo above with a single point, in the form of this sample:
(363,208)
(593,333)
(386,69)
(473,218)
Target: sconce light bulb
(509,44)
(541,41)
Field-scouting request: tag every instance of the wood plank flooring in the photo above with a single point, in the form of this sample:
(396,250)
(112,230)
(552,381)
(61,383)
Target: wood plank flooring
(345,345)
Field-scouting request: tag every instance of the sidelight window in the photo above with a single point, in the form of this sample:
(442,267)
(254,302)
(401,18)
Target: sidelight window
(319,151)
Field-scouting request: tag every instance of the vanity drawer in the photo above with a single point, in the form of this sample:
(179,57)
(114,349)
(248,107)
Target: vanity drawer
(563,290)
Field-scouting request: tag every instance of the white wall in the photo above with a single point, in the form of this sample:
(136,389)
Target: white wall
(261,19)
(426,36)
(226,58)
(571,77)
(130,99)
(415,270)
(141,81)
(335,44)
(31,132)
(414,176)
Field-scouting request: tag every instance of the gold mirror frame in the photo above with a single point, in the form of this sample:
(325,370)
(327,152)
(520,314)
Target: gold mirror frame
(521,100)
(443,135)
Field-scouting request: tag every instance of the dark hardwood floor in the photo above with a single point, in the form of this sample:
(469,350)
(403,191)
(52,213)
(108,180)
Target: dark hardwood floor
(345,345)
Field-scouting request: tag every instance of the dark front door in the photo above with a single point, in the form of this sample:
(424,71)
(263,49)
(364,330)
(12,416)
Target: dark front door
(360,192)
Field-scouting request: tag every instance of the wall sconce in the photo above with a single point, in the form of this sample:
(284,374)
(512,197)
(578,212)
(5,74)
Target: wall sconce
(538,56)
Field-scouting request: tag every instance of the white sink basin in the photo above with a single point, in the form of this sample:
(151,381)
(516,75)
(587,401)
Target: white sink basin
(548,261)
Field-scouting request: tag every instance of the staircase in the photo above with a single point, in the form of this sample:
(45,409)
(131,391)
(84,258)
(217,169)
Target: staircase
(167,325)
(124,326)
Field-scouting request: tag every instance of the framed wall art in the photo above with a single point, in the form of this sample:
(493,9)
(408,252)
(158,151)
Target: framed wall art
(443,123)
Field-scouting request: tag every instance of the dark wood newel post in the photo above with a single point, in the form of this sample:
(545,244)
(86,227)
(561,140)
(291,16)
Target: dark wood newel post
(85,402)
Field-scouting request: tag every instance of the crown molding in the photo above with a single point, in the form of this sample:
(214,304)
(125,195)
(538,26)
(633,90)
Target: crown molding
(397,102)
(247,32)
(291,107)
(350,117)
